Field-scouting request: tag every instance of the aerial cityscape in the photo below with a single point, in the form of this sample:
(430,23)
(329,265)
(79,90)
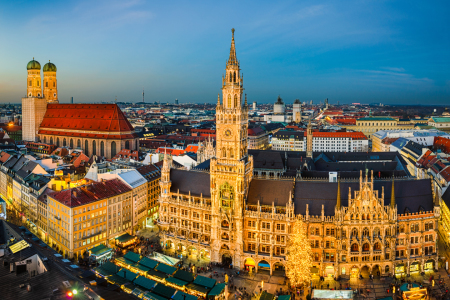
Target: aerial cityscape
(276,188)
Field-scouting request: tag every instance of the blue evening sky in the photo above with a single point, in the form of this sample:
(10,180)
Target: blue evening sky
(348,51)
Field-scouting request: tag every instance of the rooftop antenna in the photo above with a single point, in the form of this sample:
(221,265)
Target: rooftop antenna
(143,95)
(115,100)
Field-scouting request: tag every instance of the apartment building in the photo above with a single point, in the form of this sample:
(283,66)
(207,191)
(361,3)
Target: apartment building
(78,218)
(152,173)
(370,125)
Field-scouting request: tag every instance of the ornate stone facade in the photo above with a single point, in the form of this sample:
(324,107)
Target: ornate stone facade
(236,219)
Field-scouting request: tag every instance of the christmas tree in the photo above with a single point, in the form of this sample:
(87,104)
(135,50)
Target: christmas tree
(299,256)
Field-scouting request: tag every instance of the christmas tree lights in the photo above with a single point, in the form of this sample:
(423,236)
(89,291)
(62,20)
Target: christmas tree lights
(299,256)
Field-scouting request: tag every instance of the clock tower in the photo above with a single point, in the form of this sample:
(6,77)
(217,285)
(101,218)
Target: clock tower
(231,169)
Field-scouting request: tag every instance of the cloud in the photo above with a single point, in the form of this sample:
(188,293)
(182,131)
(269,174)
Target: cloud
(393,69)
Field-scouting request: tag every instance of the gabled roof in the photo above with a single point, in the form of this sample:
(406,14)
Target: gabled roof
(268,191)
(198,183)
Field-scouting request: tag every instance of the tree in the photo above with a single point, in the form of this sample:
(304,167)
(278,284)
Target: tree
(299,256)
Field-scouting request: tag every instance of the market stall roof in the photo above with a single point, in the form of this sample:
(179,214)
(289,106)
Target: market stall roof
(127,274)
(205,281)
(99,250)
(286,297)
(266,296)
(132,256)
(144,283)
(151,296)
(218,289)
(87,274)
(137,292)
(198,288)
(165,268)
(125,238)
(158,274)
(183,296)
(385,298)
(176,281)
(140,267)
(163,290)
(107,269)
(148,263)
(116,279)
(184,275)
(404,287)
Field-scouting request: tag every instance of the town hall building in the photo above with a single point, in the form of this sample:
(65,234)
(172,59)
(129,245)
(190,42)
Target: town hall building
(369,223)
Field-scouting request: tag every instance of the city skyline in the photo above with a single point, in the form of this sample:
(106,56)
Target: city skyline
(345,51)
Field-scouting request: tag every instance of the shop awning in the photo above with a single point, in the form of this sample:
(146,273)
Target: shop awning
(250,262)
(157,274)
(107,269)
(127,274)
(404,287)
(197,288)
(263,265)
(430,261)
(217,289)
(116,279)
(400,265)
(385,298)
(137,292)
(286,297)
(415,263)
(125,238)
(176,281)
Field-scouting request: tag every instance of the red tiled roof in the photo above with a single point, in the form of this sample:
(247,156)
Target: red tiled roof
(446,174)
(125,153)
(170,151)
(101,118)
(442,143)
(4,156)
(90,193)
(346,121)
(192,148)
(340,134)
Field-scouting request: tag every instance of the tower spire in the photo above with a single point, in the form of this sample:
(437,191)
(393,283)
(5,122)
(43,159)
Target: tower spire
(392,194)
(232,60)
(245,103)
(218,99)
(338,202)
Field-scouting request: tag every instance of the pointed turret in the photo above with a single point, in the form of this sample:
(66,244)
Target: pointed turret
(245,102)
(309,141)
(218,99)
(338,202)
(232,60)
(392,194)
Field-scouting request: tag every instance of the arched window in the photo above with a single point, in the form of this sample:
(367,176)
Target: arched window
(366,232)
(30,83)
(363,217)
(354,247)
(354,233)
(51,140)
(102,148)
(386,269)
(231,153)
(344,247)
(376,232)
(127,145)
(71,143)
(64,142)
(37,83)
(234,77)
(366,247)
(113,149)
(79,144)
(225,224)
(229,101)
(386,244)
(54,84)
(94,148)
(224,152)
(86,147)
(45,140)
(235,101)
(377,246)
(231,77)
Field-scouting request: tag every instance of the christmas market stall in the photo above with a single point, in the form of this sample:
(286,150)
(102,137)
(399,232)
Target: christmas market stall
(128,259)
(179,295)
(284,297)
(125,240)
(163,291)
(143,266)
(218,292)
(266,296)
(100,253)
(144,284)
(201,286)
(106,270)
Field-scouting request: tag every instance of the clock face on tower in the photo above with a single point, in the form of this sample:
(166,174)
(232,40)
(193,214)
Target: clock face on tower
(228,133)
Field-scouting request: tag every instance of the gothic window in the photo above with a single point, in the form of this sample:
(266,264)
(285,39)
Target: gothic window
(30,83)
(54,84)
(388,232)
(64,142)
(127,145)
(355,233)
(235,101)
(45,140)
(79,144)
(317,231)
(366,232)
(366,247)
(102,148)
(376,231)
(86,147)
(46,84)
(377,246)
(231,153)
(57,142)
(113,149)
(229,101)
(224,152)
(225,224)
(71,143)
(363,217)
(234,77)
(386,269)
(344,247)
(354,247)
(94,148)
(231,77)
(386,244)
(51,140)
(38,83)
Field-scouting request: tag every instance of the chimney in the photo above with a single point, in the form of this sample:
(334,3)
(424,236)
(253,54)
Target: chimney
(71,100)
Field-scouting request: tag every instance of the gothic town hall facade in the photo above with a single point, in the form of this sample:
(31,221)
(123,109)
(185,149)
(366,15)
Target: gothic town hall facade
(357,226)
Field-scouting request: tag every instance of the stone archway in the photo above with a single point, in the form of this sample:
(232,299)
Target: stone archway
(227,260)
(278,269)
(249,264)
(365,272)
(376,271)
(264,267)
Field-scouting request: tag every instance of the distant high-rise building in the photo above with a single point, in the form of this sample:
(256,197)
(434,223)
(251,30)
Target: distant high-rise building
(176,101)
(279,106)
(254,105)
(297,111)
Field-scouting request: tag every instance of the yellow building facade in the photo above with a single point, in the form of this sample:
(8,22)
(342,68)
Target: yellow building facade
(370,125)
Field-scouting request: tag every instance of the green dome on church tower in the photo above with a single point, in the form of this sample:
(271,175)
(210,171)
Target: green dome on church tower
(49,67)
(34,65)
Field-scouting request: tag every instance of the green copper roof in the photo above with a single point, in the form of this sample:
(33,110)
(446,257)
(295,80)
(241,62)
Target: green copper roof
(33,65)
(49,67)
